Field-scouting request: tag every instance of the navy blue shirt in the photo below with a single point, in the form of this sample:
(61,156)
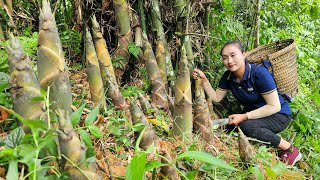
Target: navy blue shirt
(257,80)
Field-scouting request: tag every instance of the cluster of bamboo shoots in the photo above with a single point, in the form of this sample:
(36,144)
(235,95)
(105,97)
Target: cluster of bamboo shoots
(52,75)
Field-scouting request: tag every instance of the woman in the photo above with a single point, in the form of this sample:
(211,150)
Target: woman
(265,110)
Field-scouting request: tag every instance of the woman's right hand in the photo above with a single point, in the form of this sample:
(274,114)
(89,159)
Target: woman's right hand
(198,73)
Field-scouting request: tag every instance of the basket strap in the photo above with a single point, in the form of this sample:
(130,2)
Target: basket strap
(266,63)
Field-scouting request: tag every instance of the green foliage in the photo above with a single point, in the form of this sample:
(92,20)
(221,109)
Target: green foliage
(71,44)
(134,50)
(28,150)
(88,124)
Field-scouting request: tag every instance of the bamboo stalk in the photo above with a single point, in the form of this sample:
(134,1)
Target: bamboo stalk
(24,84)
(257,29)
(161,43)
(180,8)
(159,96)
(93,71)
(114,93)
(53,72)
(121,54)
(182,124)
(168,172)
(190,55)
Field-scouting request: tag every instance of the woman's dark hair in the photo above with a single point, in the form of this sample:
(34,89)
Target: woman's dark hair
(238,43)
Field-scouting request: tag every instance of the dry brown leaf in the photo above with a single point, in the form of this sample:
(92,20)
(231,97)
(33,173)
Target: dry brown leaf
(4,114)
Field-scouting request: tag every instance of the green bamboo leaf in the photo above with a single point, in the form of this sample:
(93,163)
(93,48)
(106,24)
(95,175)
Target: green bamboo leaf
(34,124)
(47,140)
(191,175)
(85,138)
(38,98)
(13,170)
(95,131)
(92,115)
(14,138)
(205,157)
(153,164)
(136,168)
(75,116)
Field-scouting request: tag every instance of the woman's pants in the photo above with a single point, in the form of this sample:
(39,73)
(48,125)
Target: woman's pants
(265,129)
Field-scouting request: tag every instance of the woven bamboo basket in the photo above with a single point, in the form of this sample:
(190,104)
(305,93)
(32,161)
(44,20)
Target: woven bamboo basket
(282,55)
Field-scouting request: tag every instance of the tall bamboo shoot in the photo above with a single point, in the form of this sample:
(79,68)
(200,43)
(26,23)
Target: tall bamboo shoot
(159,96)
(182,124)
(53,72)
(201,123)
(93,71)
(101,49)
(24,83)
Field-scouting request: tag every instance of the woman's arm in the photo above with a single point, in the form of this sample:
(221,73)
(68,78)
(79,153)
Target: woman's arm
(215,96)
(272,106)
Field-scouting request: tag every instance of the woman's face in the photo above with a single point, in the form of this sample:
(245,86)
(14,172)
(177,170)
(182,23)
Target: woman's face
(232,57)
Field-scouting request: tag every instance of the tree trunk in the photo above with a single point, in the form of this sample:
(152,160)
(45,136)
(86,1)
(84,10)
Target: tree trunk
(53,72)
(93,71)
(182,123)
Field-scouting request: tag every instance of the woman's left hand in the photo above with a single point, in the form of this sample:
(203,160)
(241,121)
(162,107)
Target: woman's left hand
(237,118)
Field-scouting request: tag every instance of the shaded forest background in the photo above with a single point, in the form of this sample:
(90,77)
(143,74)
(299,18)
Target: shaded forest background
(209,25)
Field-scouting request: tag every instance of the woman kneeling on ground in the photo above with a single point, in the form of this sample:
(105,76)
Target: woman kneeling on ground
(266,112)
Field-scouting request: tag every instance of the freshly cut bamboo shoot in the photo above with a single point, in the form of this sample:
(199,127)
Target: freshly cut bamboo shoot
(24,84)
(93,71)
(182,124)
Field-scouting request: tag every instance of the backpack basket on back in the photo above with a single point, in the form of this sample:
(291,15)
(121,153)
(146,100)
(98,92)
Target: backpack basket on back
(282,55)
